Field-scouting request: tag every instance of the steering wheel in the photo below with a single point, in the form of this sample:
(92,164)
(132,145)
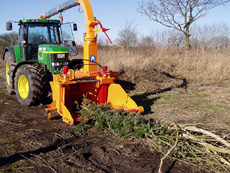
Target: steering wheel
(41,39)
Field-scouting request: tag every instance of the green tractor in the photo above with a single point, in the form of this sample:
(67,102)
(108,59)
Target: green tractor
(43,49)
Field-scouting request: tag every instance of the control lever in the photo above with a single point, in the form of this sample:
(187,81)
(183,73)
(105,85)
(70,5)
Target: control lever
(104,30)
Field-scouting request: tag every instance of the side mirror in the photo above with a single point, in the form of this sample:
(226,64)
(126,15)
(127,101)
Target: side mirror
(75,27)
(73,43)
(8,26)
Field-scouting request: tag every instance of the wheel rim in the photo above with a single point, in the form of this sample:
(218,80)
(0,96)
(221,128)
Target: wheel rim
(49,115)
(23,86)
(7,73)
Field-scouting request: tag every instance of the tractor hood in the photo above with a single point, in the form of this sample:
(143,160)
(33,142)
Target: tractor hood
(53,49)
(54,57)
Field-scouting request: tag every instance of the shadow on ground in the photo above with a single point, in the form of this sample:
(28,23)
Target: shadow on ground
(143,98)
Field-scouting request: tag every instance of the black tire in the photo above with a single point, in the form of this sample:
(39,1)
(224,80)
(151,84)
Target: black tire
(9,66)
(32,85)
(76,64)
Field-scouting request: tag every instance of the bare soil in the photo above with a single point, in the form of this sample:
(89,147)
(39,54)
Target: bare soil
(31,143)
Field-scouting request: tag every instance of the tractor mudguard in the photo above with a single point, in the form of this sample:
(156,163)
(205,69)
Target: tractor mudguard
(12,53)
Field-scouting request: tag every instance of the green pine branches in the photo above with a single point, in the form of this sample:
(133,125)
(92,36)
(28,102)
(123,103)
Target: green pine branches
(186,143)
(118,121)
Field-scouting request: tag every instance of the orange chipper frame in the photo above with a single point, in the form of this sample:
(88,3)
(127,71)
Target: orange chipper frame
(99,87)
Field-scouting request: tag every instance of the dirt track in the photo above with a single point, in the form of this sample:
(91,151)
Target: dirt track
(31,143)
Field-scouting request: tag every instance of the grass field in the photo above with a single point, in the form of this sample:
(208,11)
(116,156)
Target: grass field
(175,87)
(155,76)
(200,66)
(178,87)
(203,101)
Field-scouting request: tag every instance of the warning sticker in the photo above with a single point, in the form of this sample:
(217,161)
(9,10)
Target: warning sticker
(93,58)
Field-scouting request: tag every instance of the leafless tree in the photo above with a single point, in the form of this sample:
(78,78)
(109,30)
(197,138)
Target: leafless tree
(178,14)
(210,36)
(175,39)
(146,41)
(127,36)
(8,39)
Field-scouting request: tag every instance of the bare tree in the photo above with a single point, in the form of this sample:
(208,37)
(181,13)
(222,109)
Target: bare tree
(175,39)
(8,39)
(127,36)
(210,36)
(146,41)
(178,14)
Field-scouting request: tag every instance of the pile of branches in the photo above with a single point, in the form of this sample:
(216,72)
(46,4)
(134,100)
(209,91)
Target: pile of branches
(190,144)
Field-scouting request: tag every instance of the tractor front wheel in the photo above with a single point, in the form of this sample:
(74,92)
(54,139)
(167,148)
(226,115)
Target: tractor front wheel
(31,85)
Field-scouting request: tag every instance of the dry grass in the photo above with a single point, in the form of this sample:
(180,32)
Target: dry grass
(205,102)
(200,66)
(204,106)
(1,65)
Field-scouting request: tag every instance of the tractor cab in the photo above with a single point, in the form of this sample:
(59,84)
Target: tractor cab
(33,33)
(42,40)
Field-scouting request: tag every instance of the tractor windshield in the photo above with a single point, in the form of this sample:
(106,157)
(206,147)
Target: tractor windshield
(44,33)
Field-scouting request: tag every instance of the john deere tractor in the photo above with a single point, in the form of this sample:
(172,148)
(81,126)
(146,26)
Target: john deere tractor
(42,51)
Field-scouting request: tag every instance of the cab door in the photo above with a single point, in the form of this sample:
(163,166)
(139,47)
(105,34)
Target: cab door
(67,38)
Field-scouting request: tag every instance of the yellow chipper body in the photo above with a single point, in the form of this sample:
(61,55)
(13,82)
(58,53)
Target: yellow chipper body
(74,85)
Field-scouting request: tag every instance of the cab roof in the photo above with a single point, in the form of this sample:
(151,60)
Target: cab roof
(39,21)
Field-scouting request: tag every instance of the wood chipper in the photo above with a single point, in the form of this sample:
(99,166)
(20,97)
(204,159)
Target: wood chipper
(71,84)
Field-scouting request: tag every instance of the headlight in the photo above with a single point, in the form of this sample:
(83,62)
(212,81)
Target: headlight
(60,55)
(55,64)
(65,63)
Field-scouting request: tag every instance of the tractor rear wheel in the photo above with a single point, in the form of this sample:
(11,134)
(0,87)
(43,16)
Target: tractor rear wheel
(31,85)
(9,66)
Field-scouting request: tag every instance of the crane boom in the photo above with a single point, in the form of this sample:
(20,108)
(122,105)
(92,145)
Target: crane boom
(60,8)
